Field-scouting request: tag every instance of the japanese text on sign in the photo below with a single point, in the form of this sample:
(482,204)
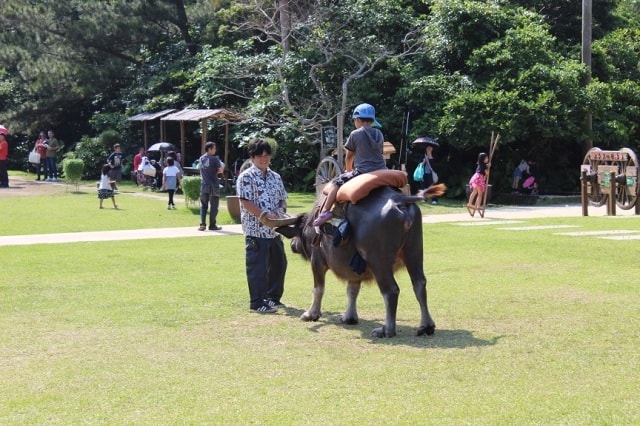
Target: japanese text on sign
(609,156)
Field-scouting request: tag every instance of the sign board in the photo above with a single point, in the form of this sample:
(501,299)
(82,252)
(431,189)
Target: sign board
(329,137)
(608,156)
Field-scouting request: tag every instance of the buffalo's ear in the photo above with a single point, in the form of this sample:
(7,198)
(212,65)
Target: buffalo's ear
(288,231)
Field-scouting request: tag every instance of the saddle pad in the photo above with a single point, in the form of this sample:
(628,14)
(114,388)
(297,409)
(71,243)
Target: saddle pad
(360,186)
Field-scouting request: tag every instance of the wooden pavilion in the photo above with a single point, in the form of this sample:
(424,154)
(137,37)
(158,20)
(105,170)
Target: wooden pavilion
(146,117)
(182,116)
(203,116)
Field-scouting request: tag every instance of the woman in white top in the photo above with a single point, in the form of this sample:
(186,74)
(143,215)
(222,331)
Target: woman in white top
(171,179)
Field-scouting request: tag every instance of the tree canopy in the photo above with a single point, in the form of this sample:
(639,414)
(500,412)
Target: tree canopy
(455,70)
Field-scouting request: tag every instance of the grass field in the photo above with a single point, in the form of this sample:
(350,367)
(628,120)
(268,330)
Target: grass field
(534,326)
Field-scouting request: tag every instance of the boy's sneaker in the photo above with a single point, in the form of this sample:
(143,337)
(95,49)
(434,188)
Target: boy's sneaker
(275,303)
(322,218)
(264,309)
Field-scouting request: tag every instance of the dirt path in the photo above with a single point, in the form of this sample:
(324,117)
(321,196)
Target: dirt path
(20,186)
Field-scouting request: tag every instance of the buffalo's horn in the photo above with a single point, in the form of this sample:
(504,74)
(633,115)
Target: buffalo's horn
(275,223)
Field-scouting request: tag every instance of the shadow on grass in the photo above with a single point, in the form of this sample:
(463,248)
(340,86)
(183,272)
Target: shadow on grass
(405,335)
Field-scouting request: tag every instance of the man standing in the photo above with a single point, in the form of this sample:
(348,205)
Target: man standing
(210,167)
(115,161)
(53,146)
(262,193)
(4,155)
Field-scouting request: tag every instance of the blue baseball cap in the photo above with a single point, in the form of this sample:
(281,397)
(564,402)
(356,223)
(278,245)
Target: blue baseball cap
(366,111)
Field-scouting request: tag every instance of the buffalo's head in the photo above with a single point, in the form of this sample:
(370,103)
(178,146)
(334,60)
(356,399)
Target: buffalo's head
(300,234)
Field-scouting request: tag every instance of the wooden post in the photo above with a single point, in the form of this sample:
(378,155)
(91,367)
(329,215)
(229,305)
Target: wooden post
(227,170)
(611,205)
(492,148)
(183,137)
(586,59)
(584,197)
(144,131)
(203,132)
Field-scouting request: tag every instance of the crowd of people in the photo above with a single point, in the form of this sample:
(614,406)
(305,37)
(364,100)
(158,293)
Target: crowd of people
(260,190)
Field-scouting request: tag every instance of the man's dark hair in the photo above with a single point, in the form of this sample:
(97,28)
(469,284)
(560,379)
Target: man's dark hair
(258,147)
(209,145)
(170,161)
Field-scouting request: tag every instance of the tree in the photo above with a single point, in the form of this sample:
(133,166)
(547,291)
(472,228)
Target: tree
(306,54)
(67,60)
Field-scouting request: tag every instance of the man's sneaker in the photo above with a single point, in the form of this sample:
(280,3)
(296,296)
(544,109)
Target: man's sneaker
(214,228)
(275,303)
(202,227)
(264,309)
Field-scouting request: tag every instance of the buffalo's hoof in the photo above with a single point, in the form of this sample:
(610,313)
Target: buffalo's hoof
(348,320)
(381,332)
(426,330)
(307,316)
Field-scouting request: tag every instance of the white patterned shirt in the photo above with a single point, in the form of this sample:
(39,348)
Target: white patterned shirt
(267,193)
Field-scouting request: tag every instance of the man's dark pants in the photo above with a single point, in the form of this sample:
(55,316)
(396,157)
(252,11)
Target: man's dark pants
(266,264)
(209,195)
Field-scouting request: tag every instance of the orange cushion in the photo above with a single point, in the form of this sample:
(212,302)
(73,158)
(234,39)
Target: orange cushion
(360,186)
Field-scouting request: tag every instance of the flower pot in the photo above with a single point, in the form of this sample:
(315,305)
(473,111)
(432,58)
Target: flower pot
(233,207)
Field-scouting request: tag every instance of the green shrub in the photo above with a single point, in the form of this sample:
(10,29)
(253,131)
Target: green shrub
(191,189)
(93,154)
(108,138)
(73,168)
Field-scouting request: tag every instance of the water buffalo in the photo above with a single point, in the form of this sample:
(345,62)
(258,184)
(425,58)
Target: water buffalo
(386,233)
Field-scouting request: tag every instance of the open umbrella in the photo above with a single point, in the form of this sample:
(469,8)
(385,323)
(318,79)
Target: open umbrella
(162,146)
(424,140)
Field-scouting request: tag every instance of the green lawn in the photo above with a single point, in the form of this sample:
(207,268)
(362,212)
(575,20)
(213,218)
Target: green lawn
(533,327)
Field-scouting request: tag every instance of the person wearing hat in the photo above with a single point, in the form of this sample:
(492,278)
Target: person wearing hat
(4,155)
(363,155)
(430,177)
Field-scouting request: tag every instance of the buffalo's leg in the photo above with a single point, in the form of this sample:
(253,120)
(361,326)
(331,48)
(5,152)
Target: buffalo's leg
(315,311)
(419,282)
(350,316)
(390,293)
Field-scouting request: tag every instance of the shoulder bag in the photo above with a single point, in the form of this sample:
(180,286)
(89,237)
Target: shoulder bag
(34,157)
(418,174)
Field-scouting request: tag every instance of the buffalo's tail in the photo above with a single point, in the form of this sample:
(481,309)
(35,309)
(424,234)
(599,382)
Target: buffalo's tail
(436,190)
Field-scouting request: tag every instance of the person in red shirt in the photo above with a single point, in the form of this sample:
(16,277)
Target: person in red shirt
(41,148)
(4,155)
(137,159)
